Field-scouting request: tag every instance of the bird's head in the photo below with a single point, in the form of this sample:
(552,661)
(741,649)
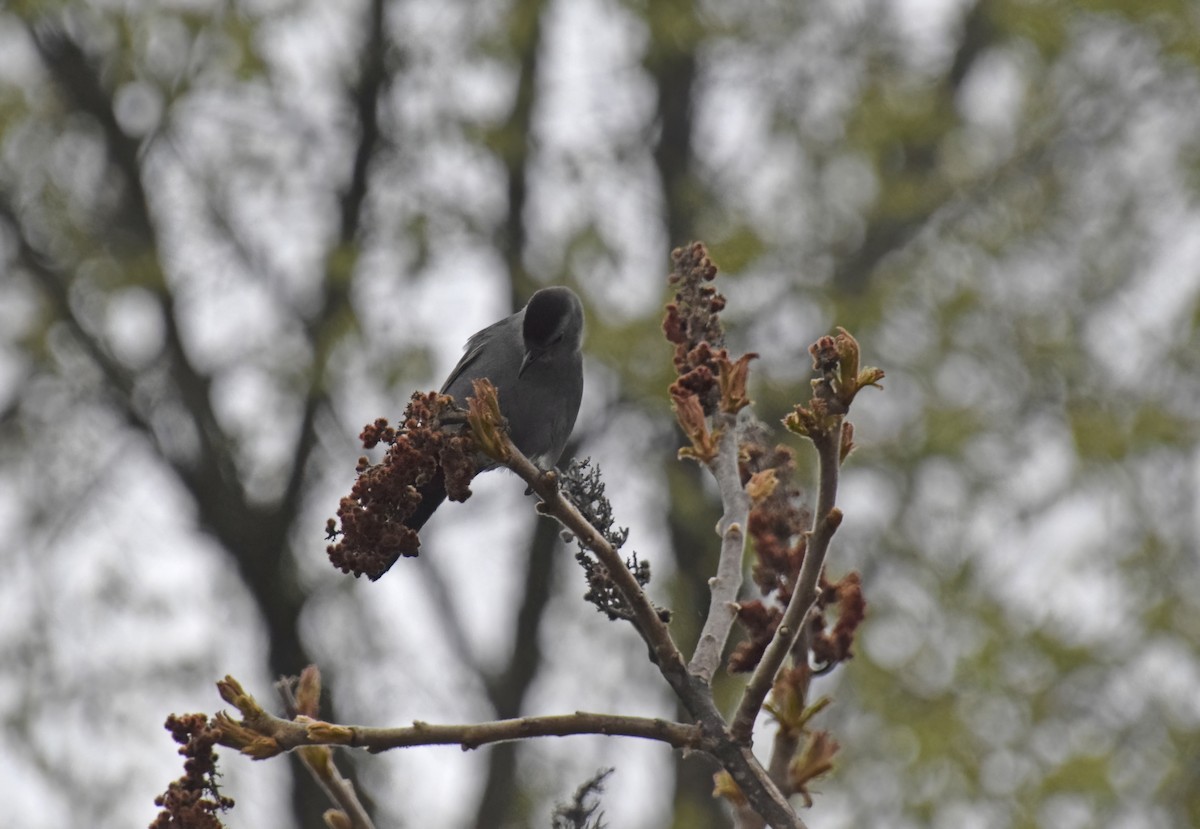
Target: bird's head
(552,326)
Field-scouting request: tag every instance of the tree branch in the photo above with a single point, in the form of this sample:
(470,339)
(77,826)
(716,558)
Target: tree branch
(337,787)
(732,528)
(302,695)
(364,97)
(825,522)
(695,694)
(261,734)
(645,616)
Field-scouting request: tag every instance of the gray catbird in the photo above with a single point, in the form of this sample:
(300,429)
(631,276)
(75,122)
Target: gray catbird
(533,360)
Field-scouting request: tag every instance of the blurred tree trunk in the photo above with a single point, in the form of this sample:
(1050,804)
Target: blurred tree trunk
(255,536)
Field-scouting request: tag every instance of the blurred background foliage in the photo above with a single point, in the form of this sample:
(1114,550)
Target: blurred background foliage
(232,233)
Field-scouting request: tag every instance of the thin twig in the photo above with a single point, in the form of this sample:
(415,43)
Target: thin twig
(725,585)
(339,789)
(319,759)
(825,522)
(282,735)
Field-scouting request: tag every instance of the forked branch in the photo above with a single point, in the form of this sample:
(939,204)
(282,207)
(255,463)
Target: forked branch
(751,778)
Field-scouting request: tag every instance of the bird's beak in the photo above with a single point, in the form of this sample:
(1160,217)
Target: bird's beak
(530,357)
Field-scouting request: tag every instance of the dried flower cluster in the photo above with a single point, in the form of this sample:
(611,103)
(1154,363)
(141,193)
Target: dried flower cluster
(760,617)
(829,647)
(583,812)
(694,326)
(373,533)
(581,483)
(191,802)
(603,591)
(708,380)
(777,527)
(777,516)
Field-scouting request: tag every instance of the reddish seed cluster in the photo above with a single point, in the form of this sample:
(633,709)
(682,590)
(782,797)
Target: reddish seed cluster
(775,520)
(192,801)
(833,646)
(693,324)
(759,622)
(778,525)
(372,517)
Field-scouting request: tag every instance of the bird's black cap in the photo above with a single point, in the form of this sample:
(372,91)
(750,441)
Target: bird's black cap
(545,313)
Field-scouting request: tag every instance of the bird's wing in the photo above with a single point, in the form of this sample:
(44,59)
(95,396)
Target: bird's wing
(473,349)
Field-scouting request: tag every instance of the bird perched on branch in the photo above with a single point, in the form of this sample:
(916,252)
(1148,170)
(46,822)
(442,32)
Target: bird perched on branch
(533,359)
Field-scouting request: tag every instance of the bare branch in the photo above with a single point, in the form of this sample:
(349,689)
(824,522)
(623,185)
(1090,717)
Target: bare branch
(319,762)
(364,97)
(261,735)
(732,528)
